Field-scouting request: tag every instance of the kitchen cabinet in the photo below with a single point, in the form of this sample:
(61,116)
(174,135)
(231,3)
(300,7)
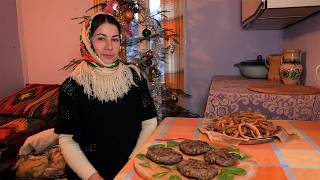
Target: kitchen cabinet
(276,14)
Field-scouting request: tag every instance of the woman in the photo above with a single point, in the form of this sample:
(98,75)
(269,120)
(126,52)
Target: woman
(104,106)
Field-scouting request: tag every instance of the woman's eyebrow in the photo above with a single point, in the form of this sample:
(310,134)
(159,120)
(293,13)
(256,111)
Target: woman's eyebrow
(101,34)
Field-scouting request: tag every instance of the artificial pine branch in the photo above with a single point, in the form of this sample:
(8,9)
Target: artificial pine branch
(103,5)
(84,18)
(72,64)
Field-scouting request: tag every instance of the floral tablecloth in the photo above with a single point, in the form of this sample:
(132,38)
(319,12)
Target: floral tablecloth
(229,95)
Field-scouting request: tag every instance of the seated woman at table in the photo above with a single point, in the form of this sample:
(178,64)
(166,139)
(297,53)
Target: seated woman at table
(105,109)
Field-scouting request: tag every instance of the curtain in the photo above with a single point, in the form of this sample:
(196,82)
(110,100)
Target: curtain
(95,2)
(174,69)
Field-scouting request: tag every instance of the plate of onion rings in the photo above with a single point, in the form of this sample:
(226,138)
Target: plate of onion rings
(241,128)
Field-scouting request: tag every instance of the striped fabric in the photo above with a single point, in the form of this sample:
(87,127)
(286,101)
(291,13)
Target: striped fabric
(37,101)
(19,127)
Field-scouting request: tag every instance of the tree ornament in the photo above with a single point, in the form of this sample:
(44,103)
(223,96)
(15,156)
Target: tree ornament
(149,54)
(174,98)
(148,62)
(135,9)
(172,48)
(146,32)
(135,61)
(128,15)
(131,4)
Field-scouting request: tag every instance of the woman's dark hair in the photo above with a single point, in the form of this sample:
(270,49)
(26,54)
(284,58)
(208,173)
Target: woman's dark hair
(103,18)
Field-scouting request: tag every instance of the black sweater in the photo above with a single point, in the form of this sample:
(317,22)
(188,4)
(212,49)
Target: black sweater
(106,132)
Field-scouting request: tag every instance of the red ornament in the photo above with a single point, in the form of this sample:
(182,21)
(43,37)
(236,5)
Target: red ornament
(149,54)
(148,62)
(109,6)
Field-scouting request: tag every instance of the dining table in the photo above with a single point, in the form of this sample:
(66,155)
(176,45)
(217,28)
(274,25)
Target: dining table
(297,158)
(233,94)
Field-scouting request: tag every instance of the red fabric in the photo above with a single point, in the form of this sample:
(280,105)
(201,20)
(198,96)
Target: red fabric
(5,132)
(35,101)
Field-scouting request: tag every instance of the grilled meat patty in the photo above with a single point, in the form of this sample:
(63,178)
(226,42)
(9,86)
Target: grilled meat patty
(197,169)
(194,147)
(220,157)
(164,155)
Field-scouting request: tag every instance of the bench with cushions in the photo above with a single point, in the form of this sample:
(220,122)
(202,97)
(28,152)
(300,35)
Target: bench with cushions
(22,114)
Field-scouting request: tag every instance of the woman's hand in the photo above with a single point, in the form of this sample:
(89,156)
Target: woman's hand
(95,176)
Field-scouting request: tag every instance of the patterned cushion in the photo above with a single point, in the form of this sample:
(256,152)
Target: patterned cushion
(34,101)
(12,140)
(5,132)
(16,126)
(19,124)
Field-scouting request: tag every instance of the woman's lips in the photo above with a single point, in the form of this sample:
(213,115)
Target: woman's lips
(107,55)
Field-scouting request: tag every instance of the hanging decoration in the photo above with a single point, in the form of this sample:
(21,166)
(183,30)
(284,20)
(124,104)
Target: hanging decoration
(148,62)
(146,32)
(149,54)
(128,15)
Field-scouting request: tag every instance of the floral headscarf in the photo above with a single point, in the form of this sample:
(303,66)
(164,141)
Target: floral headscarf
(105,84)
(86,48)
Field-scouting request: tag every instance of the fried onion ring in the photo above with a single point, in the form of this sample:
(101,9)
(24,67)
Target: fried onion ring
(251,127)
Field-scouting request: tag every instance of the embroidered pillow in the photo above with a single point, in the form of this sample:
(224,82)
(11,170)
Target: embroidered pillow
(15,126)
(34,101)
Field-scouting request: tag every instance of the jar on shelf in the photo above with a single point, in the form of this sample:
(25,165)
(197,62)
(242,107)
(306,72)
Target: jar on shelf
(291,68)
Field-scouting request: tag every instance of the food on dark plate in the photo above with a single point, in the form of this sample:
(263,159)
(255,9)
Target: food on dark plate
(164,155)
(220,157)
(194,147)
(197,169)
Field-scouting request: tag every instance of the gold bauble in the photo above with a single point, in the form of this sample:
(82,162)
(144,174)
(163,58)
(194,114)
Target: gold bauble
(128,15)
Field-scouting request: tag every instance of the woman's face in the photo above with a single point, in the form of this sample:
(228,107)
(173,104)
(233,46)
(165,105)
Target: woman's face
(106,42)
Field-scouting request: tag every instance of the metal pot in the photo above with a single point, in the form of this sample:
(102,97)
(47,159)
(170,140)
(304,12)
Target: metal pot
(253,69)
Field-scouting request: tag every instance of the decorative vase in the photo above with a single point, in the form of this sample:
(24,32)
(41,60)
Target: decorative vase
(290,73)
(291,68)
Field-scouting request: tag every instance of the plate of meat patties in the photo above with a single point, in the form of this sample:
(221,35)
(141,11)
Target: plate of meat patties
(193,159)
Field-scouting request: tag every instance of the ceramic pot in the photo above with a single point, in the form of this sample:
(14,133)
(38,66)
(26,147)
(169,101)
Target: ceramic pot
(273,63)
(291,56)
(290,73)
(254,69)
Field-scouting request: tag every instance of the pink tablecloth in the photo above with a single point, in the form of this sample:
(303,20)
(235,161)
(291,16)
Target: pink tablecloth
(230,95)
